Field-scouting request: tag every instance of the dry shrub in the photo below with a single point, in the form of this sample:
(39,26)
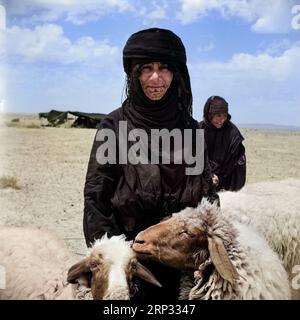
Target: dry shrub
(9,182)
(30,125)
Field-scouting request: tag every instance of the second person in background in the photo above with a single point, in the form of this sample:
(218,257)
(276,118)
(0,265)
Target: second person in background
(226,152)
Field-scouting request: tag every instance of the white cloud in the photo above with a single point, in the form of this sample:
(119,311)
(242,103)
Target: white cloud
(269,16)
(80,12)
(151,12)
(207,47)
(2,105)
(266,16)
(255,85)
(2,56)
(261,66)
(82,88)
(48,43)
(191,10)
(75,11)
(2,86)
(158,13)
(2,17)
(277,47)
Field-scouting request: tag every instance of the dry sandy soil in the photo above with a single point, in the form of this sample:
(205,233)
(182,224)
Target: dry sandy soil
(50,166)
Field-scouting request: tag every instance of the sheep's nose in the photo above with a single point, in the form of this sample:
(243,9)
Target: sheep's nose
(139,241)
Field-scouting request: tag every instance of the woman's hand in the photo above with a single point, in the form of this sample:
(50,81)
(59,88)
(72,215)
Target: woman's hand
(215,180)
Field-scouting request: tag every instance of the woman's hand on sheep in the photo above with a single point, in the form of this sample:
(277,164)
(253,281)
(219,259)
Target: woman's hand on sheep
(215,179)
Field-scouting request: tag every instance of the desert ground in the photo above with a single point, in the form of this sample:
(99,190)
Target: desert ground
(49,166)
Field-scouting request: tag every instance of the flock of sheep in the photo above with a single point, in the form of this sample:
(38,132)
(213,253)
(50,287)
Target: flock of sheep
(246,249)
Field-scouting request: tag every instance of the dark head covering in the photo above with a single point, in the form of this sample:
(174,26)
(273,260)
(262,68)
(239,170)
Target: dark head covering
(158,45)
(218,106)
(154,45)
(224,145)
(213,105)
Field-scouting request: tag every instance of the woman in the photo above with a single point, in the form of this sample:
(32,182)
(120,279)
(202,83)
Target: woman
(226,152)
(125,197)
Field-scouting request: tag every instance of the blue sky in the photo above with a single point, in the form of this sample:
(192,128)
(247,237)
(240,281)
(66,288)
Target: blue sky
(67,54)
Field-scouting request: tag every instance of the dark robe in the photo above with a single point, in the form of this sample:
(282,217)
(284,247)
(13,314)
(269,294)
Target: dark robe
(129,198)
(226,153)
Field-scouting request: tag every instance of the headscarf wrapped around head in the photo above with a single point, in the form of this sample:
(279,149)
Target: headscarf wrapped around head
(154,45)
(218,105)
(160,45)
(213,105)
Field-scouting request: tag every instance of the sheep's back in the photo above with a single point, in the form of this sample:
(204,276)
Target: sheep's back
(261,266)
(273,208)
(33,260)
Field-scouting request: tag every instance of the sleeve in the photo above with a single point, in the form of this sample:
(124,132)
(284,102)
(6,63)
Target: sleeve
(208,186)
(230,164)
(209,189)
(100,185)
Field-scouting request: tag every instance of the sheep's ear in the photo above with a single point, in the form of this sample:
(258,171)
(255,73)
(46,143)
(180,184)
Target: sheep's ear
(80,273)
(145,274)
(221,260)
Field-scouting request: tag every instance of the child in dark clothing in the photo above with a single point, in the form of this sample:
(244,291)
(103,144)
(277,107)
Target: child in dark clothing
(226,152)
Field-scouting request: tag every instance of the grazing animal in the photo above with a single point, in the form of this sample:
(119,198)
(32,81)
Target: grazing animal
(273,208)
(37,266)
(224,258)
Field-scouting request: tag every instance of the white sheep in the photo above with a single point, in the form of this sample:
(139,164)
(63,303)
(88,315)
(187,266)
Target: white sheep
(228,260)
(37,263)
(273,208)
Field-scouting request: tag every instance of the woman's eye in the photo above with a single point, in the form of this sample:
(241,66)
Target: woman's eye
(146,69)
(164,67)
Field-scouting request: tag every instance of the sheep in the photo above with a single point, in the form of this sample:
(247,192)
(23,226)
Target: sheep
(273,208)
(37,263)
(230,260)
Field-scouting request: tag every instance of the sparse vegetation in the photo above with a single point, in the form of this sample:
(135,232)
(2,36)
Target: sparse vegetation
(9,182)
(32,126)
(19,124)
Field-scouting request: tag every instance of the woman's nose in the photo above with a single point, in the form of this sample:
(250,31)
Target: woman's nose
(154,75)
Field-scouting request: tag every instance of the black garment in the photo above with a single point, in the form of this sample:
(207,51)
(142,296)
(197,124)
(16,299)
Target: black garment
(226,153)
(150,114)
(128,198)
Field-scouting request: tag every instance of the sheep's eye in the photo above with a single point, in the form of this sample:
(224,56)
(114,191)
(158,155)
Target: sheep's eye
(134,265)
(93,266)
(185,234)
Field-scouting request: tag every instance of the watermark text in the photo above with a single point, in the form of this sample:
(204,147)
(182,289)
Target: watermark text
(138,146)
(296,17)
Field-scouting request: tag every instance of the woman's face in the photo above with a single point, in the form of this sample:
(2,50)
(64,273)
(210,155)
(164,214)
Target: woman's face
(218,119)
(155,79)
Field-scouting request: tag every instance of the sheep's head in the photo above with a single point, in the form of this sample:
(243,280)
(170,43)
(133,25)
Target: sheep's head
(109,270)
(172,242)
(187,239)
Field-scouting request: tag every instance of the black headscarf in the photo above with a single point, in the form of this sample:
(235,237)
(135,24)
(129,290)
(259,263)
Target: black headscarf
(175,107)
(215,104)
(224,144)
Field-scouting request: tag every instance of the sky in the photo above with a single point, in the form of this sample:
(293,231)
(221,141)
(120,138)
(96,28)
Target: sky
(67,54)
